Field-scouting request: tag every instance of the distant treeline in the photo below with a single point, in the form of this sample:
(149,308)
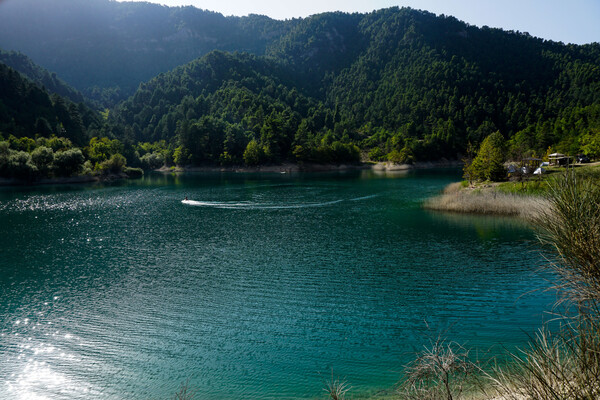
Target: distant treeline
(29,160)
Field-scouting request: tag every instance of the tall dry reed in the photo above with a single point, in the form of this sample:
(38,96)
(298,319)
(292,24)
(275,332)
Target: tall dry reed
(456,199)
(564,363)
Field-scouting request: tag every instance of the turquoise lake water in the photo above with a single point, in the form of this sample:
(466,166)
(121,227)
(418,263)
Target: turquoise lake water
(258,289)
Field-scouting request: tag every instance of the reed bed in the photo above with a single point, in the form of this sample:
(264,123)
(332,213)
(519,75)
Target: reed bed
(487,200)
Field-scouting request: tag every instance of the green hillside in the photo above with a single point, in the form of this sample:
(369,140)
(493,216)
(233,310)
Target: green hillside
(397,83)
(27,110)
(103,45)
(394,84)
(40,76)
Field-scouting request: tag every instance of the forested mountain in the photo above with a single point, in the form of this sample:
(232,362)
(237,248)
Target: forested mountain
(40,76)
(215,106)
(396,84)
(27,109)
(104,45)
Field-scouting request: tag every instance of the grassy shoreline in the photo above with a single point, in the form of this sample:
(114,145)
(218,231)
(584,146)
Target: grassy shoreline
(487,199)
(525,199)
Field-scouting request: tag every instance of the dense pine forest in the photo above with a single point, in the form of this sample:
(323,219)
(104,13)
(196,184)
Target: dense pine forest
(165,86)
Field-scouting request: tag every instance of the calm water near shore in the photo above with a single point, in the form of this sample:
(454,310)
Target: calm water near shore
(255,289)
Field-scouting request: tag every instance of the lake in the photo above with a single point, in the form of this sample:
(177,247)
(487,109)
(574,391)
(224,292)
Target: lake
(258,288)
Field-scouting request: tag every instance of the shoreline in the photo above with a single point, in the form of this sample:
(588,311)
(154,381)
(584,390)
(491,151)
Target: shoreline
(487,200)
(313,167)
(278,168)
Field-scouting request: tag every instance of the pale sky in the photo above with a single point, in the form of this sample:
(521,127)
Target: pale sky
(569,21)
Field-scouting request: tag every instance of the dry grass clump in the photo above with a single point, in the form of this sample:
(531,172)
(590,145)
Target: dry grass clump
(556,366)
(336,389)
(482,201)
(440,371)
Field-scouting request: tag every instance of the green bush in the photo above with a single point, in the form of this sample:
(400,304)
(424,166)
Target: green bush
(43,157)
(68,162)
(225,158)
(19,166)
(254,154)
(376,154)
(181,156)
(114,164)
(404,156)
(152,160)
(133,173)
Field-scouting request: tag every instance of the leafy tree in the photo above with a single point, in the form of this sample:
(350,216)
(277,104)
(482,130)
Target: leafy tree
(68,162)
(101,149)
(21,144)
(403,156)
(43,157)
(254,154)
(181,156)
(115,164)
(376,154)
(590,143)
(225,158)
(488,164)
(58,143)
(152,160)
(19,166)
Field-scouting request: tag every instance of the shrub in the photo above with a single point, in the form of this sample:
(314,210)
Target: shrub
(43,157)
(336,389)
(19,166)
(68,162)
(376,154)
(133,173)
(440,371)
(114,164)
(254,154)
(152,160)
(572,229)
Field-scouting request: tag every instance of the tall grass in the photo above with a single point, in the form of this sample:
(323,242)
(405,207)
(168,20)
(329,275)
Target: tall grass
(572,229)
(565,364)
(455,199)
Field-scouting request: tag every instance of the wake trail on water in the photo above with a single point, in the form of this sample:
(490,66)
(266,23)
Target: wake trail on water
(267,206)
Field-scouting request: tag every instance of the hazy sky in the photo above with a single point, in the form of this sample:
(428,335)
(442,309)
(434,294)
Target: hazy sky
(569,21)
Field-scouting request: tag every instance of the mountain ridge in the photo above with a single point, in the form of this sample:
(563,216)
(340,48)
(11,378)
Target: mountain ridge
(397,83)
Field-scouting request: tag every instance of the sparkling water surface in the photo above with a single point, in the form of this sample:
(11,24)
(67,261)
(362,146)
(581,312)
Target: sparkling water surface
(258,287)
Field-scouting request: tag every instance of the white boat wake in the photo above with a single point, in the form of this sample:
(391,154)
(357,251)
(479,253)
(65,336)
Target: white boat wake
(265,206)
